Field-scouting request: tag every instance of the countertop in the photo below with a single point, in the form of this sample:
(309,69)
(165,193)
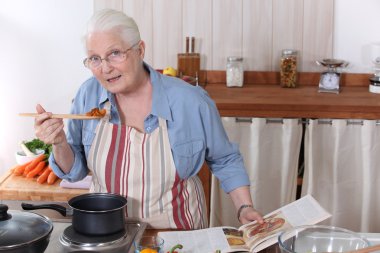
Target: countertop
(262,96)
(272,101)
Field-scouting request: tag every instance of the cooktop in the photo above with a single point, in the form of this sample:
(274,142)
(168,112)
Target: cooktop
(57,245)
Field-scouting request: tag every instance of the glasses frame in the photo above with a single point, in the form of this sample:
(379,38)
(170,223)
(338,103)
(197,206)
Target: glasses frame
(85,60)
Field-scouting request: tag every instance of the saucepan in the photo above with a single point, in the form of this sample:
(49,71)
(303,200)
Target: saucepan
(22,232)
(92,213)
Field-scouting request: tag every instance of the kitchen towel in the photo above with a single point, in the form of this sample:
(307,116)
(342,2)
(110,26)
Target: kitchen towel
(82,184)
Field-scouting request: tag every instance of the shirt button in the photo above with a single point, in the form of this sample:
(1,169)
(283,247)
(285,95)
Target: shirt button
(148,128)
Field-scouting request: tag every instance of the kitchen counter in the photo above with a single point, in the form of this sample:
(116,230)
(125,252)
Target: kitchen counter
(19,188)
(272,101)
(262,96)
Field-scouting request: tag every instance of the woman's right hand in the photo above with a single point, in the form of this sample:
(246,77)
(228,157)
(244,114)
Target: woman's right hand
(47,129)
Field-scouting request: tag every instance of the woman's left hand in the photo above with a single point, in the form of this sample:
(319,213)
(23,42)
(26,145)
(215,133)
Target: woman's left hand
(250,214)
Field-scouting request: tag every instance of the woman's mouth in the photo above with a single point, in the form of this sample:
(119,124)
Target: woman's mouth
(113,79)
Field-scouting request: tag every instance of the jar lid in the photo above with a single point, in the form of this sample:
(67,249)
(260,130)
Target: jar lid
(289,51)
(234,58)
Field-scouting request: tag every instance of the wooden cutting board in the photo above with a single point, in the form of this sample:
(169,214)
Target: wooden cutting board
(20,188)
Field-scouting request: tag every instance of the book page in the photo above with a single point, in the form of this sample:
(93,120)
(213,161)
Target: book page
(304,211)
(253,236)
(256,233)
(226,239)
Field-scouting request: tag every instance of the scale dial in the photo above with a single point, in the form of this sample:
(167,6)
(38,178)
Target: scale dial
(329,81)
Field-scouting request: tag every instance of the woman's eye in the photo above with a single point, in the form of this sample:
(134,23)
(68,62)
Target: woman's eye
(94,58)
(115,53)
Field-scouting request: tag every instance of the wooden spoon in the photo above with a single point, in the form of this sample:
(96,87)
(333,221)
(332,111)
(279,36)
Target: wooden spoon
(63,116)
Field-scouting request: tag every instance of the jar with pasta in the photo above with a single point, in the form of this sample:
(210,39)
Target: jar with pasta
(288,68)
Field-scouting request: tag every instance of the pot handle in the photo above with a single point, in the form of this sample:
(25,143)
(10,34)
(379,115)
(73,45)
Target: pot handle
(61,209)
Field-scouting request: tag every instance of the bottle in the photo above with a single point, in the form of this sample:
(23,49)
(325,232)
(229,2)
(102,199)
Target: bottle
(288,68)
(234,71)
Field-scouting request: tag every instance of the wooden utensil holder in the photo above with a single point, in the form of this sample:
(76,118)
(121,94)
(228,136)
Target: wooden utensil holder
(189,64)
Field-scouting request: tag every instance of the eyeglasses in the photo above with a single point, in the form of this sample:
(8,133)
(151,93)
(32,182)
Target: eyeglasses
(114,57)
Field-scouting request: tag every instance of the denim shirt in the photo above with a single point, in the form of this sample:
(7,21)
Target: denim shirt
(195,130)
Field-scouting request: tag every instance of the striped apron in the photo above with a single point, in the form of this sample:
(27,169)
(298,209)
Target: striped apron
(140,167)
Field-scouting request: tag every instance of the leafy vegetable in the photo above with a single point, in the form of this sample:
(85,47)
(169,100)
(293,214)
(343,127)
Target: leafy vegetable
(36,144)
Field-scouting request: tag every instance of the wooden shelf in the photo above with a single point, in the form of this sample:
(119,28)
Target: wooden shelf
(301,102)
(262,96)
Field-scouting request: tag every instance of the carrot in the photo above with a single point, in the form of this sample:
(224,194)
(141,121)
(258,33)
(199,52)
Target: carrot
(13,168)
(44,176)
(52,178)
(20,169)
(42,171)
(37,169)
(34,164)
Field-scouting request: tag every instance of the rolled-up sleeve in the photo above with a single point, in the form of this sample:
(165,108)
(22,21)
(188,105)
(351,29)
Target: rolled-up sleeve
(222,156)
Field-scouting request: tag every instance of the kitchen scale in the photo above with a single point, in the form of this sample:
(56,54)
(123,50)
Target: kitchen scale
(330,79)
(374,86)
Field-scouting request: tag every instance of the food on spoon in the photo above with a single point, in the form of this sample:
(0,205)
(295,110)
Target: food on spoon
(96,112)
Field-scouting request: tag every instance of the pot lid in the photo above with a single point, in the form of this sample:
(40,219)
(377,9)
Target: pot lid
(20,228)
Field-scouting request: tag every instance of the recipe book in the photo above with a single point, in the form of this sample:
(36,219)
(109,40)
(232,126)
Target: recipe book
(251,237)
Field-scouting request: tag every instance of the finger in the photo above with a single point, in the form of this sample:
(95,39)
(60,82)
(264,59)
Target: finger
(45,129)
(40,109)
(252,215)
(54,135)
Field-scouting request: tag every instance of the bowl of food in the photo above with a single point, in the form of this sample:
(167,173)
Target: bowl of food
(319,238)
(22,158)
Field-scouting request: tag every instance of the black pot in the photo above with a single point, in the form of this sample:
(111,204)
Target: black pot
(92,213)
(23,232)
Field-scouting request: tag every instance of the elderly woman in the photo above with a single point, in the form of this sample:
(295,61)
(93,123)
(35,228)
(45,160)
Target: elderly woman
(154,138)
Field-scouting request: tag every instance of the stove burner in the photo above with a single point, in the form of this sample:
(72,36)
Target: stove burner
(73,240)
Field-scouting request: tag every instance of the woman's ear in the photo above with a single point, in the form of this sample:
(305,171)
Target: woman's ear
(142,49)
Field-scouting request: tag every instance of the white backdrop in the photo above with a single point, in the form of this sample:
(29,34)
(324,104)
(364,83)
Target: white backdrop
(40,62)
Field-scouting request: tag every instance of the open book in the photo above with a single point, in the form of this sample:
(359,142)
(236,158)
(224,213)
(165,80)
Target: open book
(251,237)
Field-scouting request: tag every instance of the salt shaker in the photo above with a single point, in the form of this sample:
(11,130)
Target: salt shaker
(234,71)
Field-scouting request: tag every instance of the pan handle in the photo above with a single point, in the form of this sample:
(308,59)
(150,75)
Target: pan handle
(61,209)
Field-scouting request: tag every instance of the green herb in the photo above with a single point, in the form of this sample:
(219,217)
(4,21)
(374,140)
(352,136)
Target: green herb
(36,144)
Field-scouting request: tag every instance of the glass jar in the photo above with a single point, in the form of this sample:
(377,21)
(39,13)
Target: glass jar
(234,71)
(288,68)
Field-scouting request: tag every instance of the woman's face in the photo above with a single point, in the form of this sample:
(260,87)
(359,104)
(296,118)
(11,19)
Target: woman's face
(117,77)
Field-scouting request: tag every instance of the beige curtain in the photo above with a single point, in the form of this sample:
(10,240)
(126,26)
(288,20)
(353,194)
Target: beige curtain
(270,148)
(342,171)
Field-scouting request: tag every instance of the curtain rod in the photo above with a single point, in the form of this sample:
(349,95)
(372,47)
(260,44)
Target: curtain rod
(305,121)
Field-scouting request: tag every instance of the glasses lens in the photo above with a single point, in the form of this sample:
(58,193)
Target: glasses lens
(116,57)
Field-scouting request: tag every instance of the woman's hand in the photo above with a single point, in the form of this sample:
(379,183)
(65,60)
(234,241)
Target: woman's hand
(47,129)
(250,214)
(246,213)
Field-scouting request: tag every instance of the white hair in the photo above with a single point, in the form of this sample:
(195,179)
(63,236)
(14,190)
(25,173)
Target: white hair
(108,19)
